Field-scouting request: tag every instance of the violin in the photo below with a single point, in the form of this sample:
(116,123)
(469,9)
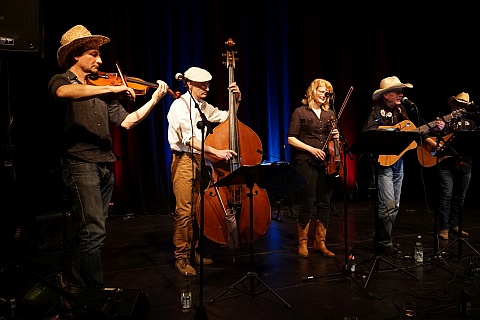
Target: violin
(138,85)
(334,163)
(335,154)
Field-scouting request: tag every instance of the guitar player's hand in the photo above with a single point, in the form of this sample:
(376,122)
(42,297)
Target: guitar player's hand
(439,124)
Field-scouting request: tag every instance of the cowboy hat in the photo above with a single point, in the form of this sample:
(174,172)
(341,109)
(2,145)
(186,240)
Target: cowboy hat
(389,84)
(198,75)
(75,37)
(459,101)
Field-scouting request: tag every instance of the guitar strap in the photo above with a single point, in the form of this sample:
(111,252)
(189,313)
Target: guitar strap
(403,113)
(186,103)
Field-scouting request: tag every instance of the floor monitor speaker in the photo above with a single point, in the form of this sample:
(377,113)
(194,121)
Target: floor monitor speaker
(115,303)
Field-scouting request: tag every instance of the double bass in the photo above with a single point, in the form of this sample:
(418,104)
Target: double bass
(220,202)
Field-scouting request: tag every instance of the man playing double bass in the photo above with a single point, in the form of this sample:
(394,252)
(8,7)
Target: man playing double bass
(185,140)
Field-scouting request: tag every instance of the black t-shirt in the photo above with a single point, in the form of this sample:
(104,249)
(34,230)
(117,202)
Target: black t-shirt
(86,134)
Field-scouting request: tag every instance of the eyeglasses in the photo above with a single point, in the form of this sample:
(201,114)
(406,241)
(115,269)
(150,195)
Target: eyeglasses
(201,85)
(397,91)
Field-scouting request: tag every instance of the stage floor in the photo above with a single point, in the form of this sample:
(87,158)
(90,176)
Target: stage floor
(276,283)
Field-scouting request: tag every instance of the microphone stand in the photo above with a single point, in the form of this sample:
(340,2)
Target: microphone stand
(346,270)
(200,312)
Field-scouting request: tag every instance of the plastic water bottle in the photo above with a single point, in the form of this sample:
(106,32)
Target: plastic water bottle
(186,294)
(418,255)
(351,262)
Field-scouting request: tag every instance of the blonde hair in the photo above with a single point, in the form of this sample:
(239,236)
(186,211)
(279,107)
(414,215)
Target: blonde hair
(309,97)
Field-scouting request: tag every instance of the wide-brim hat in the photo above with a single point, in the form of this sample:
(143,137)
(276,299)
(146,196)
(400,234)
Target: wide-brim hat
(389,84)
(459,101)
(75,37)
(197,74)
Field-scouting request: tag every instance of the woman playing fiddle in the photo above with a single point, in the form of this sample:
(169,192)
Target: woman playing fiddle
(309,130)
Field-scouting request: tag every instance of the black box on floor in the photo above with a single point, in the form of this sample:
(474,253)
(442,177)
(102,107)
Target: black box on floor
(52,230)
(113,303)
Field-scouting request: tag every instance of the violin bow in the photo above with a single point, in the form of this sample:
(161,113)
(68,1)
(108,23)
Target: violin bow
(345,102)
(341,109)
(120,73)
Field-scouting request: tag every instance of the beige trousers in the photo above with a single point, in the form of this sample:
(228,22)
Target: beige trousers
(186,187)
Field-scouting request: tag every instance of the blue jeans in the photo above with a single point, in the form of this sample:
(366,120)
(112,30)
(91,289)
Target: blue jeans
(319,188)
(451,196)
(389,190)
(90,188)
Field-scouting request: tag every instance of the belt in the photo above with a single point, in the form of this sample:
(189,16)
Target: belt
(178,153)
(181,153)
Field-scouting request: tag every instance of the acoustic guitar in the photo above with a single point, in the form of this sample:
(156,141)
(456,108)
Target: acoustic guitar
(425,155)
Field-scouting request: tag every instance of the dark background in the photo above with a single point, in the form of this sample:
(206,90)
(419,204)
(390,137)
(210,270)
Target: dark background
(281,47)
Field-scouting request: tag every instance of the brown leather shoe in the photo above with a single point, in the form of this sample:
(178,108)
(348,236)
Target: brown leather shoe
(443,235)
(455,231)
(182,265)
(205,259)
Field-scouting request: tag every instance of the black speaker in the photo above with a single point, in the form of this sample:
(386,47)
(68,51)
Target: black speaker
(21,26)
(114,303)
(88,304)
(52,230)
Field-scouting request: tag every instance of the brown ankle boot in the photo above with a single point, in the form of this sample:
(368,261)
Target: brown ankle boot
(302,240)
(456,229)
(319,243)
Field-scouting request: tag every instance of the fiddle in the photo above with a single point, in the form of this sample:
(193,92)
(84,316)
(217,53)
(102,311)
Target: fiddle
(113,79)
(334,164)
(335,153)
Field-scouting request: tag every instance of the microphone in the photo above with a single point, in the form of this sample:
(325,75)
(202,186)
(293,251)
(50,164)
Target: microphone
(472,105)
(408,102)
(266,154)
(330,95)
(180,77)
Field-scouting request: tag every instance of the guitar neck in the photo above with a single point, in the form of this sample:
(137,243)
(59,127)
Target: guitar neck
(431,124)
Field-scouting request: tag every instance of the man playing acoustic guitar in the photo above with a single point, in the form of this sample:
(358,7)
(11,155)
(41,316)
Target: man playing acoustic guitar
(454,170)
(388,111)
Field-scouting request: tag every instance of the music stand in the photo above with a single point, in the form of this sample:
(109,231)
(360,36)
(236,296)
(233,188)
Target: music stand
(382,142)
(462,143)
(276,188)
(275,177)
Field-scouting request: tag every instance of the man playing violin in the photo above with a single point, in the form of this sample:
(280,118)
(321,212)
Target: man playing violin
(87,153)
(308,132)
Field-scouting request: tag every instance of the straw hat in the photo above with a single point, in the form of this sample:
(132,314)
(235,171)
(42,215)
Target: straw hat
(75,37)
(459,101)
(198,74)
(389,84)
